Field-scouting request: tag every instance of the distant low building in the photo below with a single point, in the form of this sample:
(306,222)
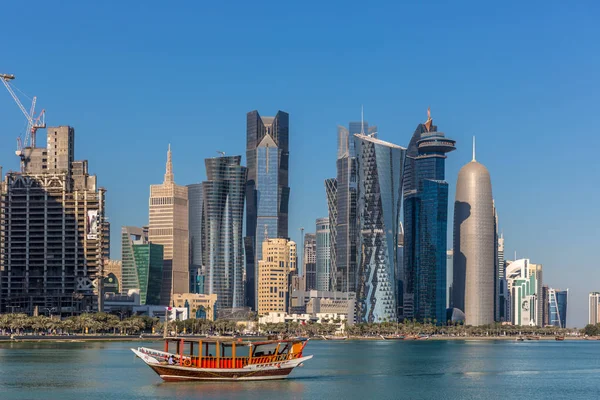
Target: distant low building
(319,318)
(199,305)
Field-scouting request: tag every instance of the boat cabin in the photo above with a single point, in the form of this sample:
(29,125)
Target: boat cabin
(227,353)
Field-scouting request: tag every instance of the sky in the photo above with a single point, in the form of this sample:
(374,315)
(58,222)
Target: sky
(132,77)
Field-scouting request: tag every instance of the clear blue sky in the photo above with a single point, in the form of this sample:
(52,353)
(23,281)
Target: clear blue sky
(132,77)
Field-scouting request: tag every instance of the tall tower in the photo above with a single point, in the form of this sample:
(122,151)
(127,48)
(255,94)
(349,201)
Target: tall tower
(474,245)
(222,251)
(379,200)
(323,254)
(196,211)
(267,188)
(425,223)
(342,193)
(169,227)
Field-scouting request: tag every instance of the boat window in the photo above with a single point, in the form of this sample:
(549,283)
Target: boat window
(284,348)
(264,349)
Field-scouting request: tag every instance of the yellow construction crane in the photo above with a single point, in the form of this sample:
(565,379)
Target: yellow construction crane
(33,122)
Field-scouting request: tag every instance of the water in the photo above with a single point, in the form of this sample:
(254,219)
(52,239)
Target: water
(340,370)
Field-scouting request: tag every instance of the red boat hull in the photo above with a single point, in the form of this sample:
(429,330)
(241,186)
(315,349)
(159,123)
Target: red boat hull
(173,374)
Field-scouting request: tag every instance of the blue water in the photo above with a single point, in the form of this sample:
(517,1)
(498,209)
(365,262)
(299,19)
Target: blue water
(340,370)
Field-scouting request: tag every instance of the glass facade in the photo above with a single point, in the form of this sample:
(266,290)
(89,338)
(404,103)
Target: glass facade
(558,307)
(195,203)
(331,194)
(130,235)
(323,254)
(223,212)
(310,261)
(379,166)
(149,267)
(425,225)
(267,191)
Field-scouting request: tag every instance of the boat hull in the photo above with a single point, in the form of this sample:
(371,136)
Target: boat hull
(173,374)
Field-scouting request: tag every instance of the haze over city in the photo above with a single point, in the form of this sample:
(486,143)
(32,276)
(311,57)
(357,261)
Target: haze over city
(133,79)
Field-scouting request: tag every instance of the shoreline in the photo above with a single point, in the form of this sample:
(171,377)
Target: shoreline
(154,338)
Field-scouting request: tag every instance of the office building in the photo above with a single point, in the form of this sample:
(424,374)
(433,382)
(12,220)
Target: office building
(52,225)
(524,284)
(331,195)
(398,273)
(310,261)
(594,308)
(558,301)
(267,189)
(222,249)
(114,267)
(323,254)
(195,213)
(379,165)
(169,228)
(475,262)
(546,303)
(342,202)
(449,276)
(425,223)
(273,276)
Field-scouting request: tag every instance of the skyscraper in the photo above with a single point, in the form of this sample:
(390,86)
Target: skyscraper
(223,253)
(267,190)
(130,235)
(52,226)
(425,223)
(475,274)
(379,165)
(169,227)
(323,254)
(449,276)
(310,261)
(196,211)
(342,200)
(594,308)
(524,282)
(558,300)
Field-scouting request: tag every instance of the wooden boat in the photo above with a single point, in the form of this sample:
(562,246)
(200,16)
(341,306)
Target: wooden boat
(559,338)
(519,339)
(392,337)
(532,337)
(233,359)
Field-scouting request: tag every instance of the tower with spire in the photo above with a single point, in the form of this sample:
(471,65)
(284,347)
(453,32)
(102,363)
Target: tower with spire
(169,226)
(425,223)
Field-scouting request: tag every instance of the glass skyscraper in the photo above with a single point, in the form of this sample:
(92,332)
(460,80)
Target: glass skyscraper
(195,203)
(267,190)
(149,264)
(342,201)
(379,166)
(223,256)
(323,254)
(558,307)
(425,224)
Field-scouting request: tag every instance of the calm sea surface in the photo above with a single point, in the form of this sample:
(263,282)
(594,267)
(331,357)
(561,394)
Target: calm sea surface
(340,370)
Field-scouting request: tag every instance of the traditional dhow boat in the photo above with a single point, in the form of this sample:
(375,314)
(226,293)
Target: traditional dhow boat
(392,337)
(227,360)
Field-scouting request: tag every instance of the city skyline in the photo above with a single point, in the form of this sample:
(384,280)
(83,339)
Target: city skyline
(499,101)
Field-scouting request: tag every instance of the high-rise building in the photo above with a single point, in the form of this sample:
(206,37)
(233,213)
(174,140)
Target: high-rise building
(142,267)
(594,308)
(524,283)
(475,276)
(223,253)
(310,261)
(342,201)
(169,227)
(425,223)
(379,165)
(267,189)
(449,276)
(546,303)
(558,307)
(323,254)
(195,207)
(273,276)
(52,226)
(503,293)
(398,272)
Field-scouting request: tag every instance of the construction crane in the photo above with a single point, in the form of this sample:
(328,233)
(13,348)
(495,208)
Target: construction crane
(33,122)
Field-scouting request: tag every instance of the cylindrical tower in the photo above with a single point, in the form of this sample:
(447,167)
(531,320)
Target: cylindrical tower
(473,286)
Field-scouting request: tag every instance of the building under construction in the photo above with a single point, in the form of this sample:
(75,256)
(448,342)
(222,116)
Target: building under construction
(52,231)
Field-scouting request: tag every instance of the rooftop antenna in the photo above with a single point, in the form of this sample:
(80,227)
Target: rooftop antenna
(362,120)
(473,160)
